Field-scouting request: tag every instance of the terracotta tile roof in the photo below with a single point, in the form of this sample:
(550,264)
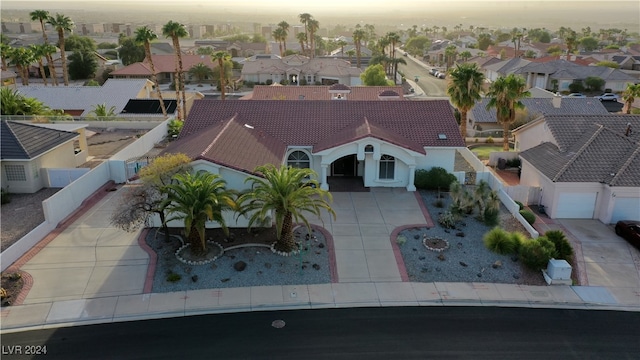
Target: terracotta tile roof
(573,59)
(318,92)
(339,87)
(164,64)
(216,130)
(594,149)
(135,69)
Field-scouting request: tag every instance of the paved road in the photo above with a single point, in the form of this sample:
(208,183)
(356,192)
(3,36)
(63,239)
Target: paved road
(360,333)
(431,86)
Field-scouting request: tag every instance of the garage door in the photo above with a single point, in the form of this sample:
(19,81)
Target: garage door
(576,205)
(626,209)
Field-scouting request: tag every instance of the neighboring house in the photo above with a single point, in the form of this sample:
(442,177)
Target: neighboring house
(536,107)
(28,150)
(381,142)
(364,51)
(165,66)
(627,62)
(495,70)
(242,49)
(162,48)
(81,100)
(588,166)
(320,92)
(566,72)
(300,69)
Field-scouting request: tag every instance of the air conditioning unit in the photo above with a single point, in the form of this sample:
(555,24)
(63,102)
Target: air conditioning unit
(558,272)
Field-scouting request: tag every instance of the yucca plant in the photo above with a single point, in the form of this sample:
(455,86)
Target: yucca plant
(564,249)
(499,241)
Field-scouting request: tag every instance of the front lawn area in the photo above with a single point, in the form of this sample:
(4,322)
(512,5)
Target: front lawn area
(483,151)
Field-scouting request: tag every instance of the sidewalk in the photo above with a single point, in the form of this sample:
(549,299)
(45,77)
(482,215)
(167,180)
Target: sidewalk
(93,273)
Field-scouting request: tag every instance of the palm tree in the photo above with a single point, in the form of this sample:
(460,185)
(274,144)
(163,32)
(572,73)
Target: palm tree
(62,24)
(284,26)
(175,31)
(505,94)
(465,55)
(39,52)
(221,57)
(196,199)
(14,103)
(200,71)
(382,59)
(341,44)
(313,25)
(43,16)
(279,36)
(571,40)
(145,36)
(450,53)
(464,87)
(22,59)
(304,19)
(290,192)
(358,35)
(302,39)
(101,111)
(394,39)
(394,63)
(630,94)
(350,53)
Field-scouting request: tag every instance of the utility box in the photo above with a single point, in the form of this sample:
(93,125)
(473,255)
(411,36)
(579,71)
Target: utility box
(558,272)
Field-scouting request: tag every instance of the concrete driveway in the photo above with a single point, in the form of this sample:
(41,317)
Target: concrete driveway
(609,260)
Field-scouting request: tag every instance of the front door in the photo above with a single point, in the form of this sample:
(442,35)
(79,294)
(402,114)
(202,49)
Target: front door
(345,166)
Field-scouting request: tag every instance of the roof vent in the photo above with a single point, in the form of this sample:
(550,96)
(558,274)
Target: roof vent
(248,126)
(628,131)
(442,136)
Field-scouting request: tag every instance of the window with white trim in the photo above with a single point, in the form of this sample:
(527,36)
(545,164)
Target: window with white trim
(15,173)
(387,167)
(299,159)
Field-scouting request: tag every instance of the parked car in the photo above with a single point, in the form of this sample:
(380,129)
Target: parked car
(576,95)
(630,231)
(607,97)
(433,71)
(441,75)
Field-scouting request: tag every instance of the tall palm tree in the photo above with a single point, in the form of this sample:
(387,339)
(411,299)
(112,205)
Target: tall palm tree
(284,26)
(43,16)
(302,39)
(175,31)
(358,35)
(571,41)
(279,36)
(220,57)
(196,199)
(450,53)
(39,51)
(304,20)
(341,44)
(394,39)
(200,71)
(382,59)
(145,36)
(313,26)
(290,192)
(394,64)
(629,95)
(351,53)
(464,88)
(62,24)
(504,95)
(22,59)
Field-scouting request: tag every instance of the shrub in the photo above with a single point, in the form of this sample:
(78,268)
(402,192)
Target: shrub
(576,87)
(520,205)
(447,219)
(439,203)
(401,240)
(499,241)
(518,239)
(490,140)
(536,253)
(562,245)
(491,217)
(5,196)
(433,179)
(529,216)
(174,127)
(173,277)
(515,162)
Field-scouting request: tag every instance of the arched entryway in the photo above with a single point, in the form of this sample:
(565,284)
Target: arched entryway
(346,175)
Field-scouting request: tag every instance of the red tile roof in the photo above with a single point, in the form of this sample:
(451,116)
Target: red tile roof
(312,92)
(164,64)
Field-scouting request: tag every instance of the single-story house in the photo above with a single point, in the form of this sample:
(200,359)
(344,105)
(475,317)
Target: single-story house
(588,166)
(27,150)
(324,92)
(165,66)
(481,118)
(300,69)
(378,143)
(495,70)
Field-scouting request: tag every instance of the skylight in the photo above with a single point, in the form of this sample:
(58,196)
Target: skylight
(442,136)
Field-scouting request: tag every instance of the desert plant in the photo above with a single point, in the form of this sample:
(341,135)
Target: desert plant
(439,203)
(499,241)
(518,239)
(468,202)
(447,219)
(529,216)
(564,249)
(174,127)
(401,240)
(173,277)
(491,217)
(433,179)
(490,140)
(536,253)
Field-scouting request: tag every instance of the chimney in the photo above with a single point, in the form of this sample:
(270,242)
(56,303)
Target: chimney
(556,101)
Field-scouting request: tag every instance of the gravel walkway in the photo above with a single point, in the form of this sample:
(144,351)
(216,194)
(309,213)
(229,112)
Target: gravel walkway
(263,267)
(466,259)
(23,214)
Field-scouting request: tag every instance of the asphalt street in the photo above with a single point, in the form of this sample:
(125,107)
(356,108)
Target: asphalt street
(431,86)
(354,333)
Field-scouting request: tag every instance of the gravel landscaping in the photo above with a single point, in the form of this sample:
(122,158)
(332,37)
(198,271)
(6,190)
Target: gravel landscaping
(260,266)
(466,259)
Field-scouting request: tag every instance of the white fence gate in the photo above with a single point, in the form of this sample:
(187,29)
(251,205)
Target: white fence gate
(527,195)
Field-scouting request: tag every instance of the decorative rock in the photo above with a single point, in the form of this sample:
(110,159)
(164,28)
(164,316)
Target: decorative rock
(421,258)
(424,270)
(459,245)
(514,258)
(187,269)
(259,272)
(416,236)
(447,231)
(214,266)
(441,257)
(267,265)
(240,266)
(231,257)
(414,249)
(516,276)
(321,245)
(460,234)
(463,223)
(194,278)
(497,264)
(479,274)
(438,269)
(316,266)
(225,280)
(463,263)
(303,267)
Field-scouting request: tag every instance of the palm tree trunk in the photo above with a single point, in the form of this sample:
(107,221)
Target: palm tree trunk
(63,56)
(165,227)
(463,124)
(176,78)
(42,73)
(197,244)
(222,79)
(52,70)
(154,75)
(286,242)
(505,136)
(182,79)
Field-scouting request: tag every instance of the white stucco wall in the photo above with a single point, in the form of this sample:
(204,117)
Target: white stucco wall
(532,136)
(437,157)
(609,196)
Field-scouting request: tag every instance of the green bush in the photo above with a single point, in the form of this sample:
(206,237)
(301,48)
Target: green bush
(491,217)
(536,253)
(490,140)
(529,216)
(433,179)
(515,162)
(173,277)
(5,197)
(576,87)
(520,205)
(447,219)
(518,239)
(499,241)
(564,249)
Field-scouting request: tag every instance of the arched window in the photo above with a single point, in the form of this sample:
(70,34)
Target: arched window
(387,167)
(299,159)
